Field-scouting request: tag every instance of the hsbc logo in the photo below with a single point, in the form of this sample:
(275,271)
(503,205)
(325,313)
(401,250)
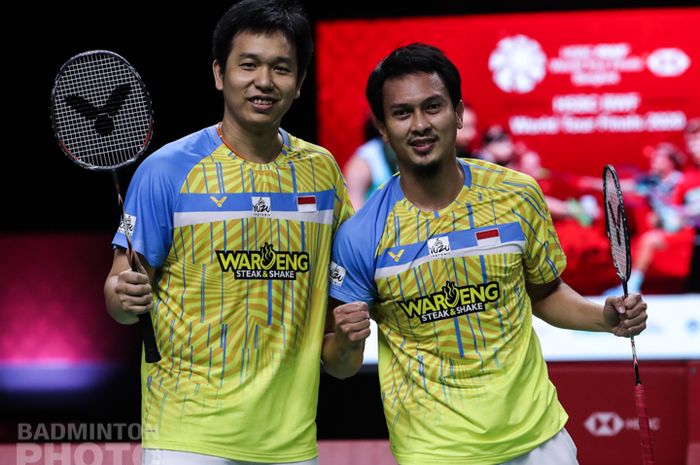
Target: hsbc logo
(668,62)
(606,424)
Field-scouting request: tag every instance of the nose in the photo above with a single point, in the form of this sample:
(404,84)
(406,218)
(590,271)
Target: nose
(263,78)
(419,122)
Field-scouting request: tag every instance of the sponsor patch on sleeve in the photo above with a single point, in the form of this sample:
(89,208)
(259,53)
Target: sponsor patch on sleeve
(336,274)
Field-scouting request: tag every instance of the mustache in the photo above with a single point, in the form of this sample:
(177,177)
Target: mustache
(423,137)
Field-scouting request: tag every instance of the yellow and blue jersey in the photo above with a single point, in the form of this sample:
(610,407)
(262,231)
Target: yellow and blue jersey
(242,252)
(462,375)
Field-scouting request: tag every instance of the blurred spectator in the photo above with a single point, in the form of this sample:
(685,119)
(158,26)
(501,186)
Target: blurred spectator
(667,229)
(498,147)
(371,165)
(467,134)
(687,195)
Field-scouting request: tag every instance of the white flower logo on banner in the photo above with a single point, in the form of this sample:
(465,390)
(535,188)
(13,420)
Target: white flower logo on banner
(518,64)
(668,62)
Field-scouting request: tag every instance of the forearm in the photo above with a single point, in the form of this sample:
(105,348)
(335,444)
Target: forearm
(341,360)
(113,305)
(565,308)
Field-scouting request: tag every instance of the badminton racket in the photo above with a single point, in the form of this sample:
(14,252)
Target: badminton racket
(102,118)
(616,226)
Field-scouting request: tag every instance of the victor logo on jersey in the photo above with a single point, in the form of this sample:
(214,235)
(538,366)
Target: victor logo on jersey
(266,263)
(451,301)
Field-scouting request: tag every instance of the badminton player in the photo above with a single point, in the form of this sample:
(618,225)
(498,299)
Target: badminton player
(455,256)
(233,227)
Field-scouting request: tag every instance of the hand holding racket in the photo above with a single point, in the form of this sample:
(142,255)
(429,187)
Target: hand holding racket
(616,225)
(103,119)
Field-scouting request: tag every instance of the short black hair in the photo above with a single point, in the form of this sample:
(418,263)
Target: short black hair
(265,17)
(411,59)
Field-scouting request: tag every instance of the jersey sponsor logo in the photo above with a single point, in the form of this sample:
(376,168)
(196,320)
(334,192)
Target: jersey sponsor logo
(130,224)
(451,301)
(336,274)
(396,256)
(439,247)
(261,206)
(266,263)
(218,202)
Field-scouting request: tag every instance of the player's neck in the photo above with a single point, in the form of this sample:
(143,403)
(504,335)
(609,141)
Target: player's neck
(433,191)
(253,146)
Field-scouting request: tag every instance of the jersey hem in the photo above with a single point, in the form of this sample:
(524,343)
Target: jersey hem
(422,459)
(231,454)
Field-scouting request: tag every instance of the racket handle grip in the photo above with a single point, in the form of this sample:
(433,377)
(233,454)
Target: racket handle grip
(149,338)
(644,430)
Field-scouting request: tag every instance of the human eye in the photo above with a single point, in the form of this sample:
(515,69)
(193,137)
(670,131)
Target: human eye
(247,65)
(283,69)
(400,113)
(434,107)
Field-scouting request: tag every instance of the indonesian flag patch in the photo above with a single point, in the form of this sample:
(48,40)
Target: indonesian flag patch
(488,237)
(306,203)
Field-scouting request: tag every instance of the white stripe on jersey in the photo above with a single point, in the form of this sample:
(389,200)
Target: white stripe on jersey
(189,218)
(506,247)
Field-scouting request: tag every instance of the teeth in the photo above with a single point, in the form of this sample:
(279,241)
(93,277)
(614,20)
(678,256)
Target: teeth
(262,101)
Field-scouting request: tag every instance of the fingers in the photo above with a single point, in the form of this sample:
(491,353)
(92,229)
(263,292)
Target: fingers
(634,316)
(352,321)
(134,292)
(352,312)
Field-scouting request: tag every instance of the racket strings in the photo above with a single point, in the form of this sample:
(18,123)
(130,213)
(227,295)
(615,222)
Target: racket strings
(616,228)
(99,125)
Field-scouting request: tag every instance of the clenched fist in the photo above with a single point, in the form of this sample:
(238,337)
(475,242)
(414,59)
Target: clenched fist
(352,323)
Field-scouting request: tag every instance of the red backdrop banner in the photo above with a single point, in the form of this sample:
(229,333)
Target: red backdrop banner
(580,88)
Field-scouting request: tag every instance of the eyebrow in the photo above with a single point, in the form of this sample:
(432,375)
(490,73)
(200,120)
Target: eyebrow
(422,102)
(254,56)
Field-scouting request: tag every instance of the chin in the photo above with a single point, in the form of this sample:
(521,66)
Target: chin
(429,168)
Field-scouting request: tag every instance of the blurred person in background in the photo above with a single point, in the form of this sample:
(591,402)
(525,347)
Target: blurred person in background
(687,195)
(666,227)
(499,147)
(372,164)
(466,135)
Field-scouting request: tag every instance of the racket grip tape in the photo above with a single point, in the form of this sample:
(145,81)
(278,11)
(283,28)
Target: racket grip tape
(149,338)
(145,324)
(644,430)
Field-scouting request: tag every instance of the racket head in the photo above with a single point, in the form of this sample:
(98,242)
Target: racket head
(101,112)
(616,224)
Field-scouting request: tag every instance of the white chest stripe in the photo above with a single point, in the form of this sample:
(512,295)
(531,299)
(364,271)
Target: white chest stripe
(189,218)
(503,248)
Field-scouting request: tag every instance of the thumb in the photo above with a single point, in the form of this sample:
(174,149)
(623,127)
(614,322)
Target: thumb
(617,303)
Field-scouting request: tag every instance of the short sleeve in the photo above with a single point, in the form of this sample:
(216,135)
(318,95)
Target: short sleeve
(351,272)
(149,210)
(544,258)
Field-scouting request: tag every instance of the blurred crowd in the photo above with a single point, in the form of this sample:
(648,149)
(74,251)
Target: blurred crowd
(661,192)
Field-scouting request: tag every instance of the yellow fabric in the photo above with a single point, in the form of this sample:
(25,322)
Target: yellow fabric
(240,373)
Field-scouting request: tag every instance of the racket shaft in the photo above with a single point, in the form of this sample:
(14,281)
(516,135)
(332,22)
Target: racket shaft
(644,430)
(145,323)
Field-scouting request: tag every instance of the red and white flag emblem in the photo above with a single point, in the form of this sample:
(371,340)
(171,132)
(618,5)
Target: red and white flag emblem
(488,237)
(306,203)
